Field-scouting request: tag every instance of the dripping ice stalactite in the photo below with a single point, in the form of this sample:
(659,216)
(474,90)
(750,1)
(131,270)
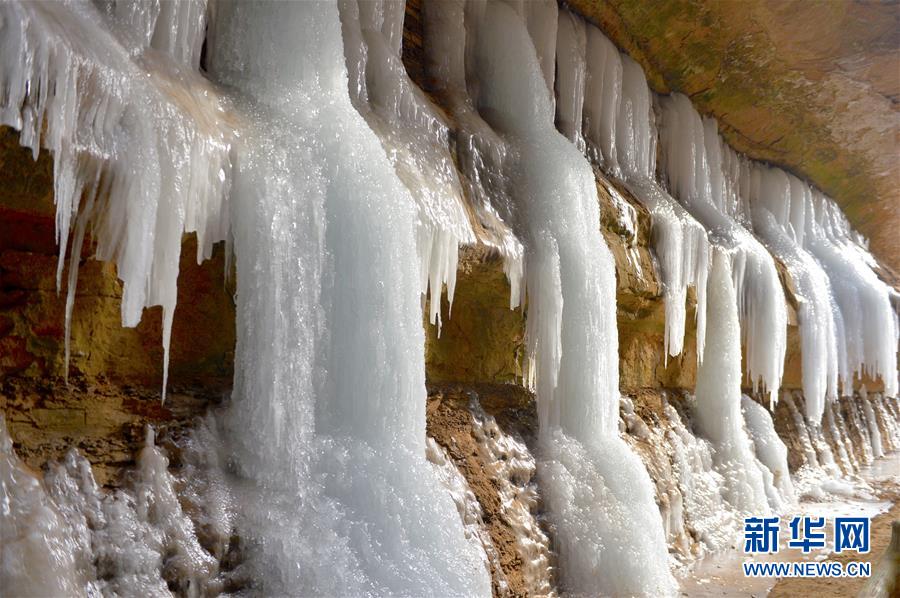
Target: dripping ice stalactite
(693,165)
(598,494)
(616,116)
(778,206)
(140,127)
(718,408)
(605,108)
(329,363)
(413,134)
(330,171)
(869,320)
(480,153)
(681,244)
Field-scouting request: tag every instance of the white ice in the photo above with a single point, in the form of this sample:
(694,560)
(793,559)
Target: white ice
(775,197)
(627,139)
(696,166)
(598,494)
(718,407)
(139,140)
(329,363)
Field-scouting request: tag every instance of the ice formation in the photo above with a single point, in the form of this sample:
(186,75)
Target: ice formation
(597,492)
(480,153)
(718,408)
(513,468)
(346,196)
(329,363)
(614,113)
(413,134)
(605,107)
(771,453)
(869,320)
(696,165)
(467,506)
(778,205)
(116,98)
(62,536)
(711,520)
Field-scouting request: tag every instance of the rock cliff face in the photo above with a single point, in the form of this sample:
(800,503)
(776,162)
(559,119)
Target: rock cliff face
(115,373)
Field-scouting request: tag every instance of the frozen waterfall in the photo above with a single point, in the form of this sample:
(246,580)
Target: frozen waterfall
(294,133)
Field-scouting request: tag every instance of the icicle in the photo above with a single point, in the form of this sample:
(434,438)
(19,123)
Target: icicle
(329,366)
(776,201)
(594,484)
(413,134)
(76,81)
(693,163)
(480,153)
(868,319)
(602,95)
(680,242)
(571,68)
(718,408)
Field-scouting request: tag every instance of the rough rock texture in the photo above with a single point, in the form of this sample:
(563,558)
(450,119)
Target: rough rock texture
(450,424)
(812,86)
(104,421)
(481,339)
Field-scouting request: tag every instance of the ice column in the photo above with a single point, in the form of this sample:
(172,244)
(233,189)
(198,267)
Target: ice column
(679,241)
(718,408)
(413,133)
(599,496)
(869,320)
(693,164)
(775,197)
(327,420)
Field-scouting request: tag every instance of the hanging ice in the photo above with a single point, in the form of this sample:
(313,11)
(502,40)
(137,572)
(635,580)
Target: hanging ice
(680,243)
(413,133)
(329,368)
(718,408)
(480,153)
(778,206)
(869,320)
(598,494)
(692,154)
(138,138)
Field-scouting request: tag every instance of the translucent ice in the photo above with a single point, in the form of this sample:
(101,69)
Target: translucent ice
(64,536)
(570,279)
(413,133)
(774,198)
(329,366)
(718,408)
(699,177)
(139,139)
(679,242)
